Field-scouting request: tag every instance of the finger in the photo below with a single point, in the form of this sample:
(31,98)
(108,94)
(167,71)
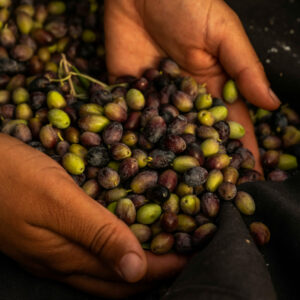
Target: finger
(241,62)
(130,51)
(164,266)
(58,254)
(89,284)
(82,220)
(105,288)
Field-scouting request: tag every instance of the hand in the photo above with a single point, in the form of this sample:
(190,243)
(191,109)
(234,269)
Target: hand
(205,37)
(53,229)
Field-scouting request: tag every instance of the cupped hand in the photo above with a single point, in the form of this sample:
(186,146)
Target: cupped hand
(53,229)
(205,37)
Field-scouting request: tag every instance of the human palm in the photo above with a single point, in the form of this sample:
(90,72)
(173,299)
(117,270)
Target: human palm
(204,37)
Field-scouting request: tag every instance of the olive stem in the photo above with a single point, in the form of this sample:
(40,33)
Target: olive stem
(66,67)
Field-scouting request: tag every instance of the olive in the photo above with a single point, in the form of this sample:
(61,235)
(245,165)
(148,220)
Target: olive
(209,147)
(59,118)
(89,139)
(218,161)
(125,210)
(168,179)
(138,200)
(189,86)
(183,163)
(56,7)
(148,213)
(172,204)
(195,176)
(128,168)
(182,101)
(157,193)
(155,129)
(287,162)
(73,163)
(23,133)
(219,113)
(203,234)
(162,243)
(183,243)
(78,150)
(205,117)
(120,151)
(23,111)
(115,194)
(135,99)
(159,159)
(190,204)
(169,221)
(91,188)
(112,133)
(115,112)
(143,181)
(245,203)
(186,223)
(227,190)
(55,100)
(93,123)
(214,179)
(203,101)
(184,189)
(141,231)
(230,174)
(97,156)
(169,67)
(174,143)
(230,92)
(260,233)
(4,96)
(90,109)
(108,178)
(141,157)
(207,132)
(24,22)
(62,148)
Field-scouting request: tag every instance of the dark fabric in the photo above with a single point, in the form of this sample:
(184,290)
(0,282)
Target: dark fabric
(273,27)
(232,268)
(229,268)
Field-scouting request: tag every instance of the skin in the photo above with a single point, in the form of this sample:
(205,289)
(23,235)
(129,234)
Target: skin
(206,39)
(48,224)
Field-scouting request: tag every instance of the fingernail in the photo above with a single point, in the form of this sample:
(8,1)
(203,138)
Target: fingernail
(274,97)
(130,267)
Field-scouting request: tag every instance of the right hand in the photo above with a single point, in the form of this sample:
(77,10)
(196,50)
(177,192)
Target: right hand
(205,37)
(53,229)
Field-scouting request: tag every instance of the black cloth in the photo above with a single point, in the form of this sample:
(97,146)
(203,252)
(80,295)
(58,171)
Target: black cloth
(230,267)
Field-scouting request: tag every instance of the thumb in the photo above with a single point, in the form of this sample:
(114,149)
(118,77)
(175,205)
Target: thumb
(240,61)
(84,221)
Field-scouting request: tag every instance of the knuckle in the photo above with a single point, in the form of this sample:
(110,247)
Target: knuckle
(103,238)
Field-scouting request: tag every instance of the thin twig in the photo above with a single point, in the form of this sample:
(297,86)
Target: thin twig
(67,70)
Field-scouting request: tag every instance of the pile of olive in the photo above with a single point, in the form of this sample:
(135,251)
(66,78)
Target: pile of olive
(278,134)
(157,151)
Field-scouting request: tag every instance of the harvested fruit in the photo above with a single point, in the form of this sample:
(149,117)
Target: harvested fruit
(157,151)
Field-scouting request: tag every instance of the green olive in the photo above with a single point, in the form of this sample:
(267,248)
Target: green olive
(230,92)
(59,118)
(55,100)
(73,163)
(148,213)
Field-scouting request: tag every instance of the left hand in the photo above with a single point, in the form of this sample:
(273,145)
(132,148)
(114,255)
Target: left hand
(207,40)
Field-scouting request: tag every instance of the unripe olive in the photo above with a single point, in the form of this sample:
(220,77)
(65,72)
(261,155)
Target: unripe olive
(73,164)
